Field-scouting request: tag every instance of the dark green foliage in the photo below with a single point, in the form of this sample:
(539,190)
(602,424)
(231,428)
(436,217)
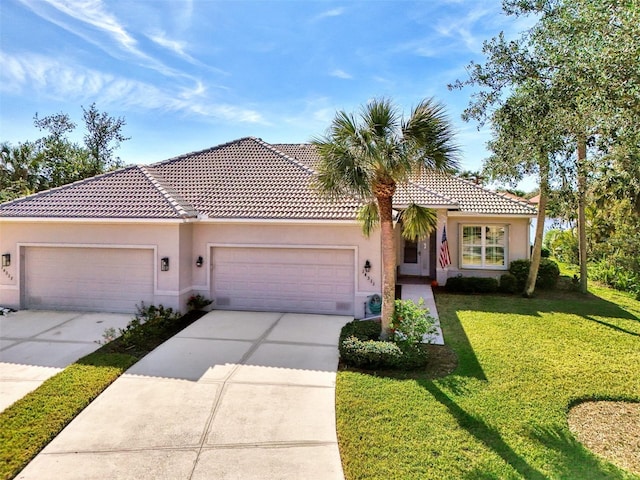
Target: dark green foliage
(520,270)
(548,273)
(360,347)
(149,323)
(462,284)
(362,330)
(508,283)
(545,252)
(370,353)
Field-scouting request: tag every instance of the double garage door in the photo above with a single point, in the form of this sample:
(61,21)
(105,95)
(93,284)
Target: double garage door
(306,280)
(91,279)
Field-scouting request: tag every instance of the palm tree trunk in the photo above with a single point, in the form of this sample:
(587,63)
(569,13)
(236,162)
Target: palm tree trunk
(530,286)
(388,260)
(582,198)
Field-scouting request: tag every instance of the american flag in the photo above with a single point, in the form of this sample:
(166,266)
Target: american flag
(445,258)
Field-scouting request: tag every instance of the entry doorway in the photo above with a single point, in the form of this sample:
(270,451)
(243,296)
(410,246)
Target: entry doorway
(414,258)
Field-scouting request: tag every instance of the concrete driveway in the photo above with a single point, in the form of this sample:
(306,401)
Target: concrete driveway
(237,395)
(37,344)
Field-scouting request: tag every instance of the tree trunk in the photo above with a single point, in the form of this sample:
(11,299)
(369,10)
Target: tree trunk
(388,255)
(582,198)
(530,285)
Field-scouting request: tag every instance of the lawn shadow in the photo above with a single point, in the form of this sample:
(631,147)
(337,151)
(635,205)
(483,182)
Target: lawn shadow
(574,460)
(456,338)
(614,327)
(484,433)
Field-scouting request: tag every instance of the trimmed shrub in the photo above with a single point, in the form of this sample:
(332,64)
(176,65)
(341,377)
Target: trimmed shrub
(410,323)
(548,273)
(545,252)
(520,270)
(362,330)
(360,347)
(508,283)
(462,284)
(457,284)
(370,353)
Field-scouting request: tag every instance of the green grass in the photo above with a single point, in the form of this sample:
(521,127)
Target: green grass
(502,413)
(28,425)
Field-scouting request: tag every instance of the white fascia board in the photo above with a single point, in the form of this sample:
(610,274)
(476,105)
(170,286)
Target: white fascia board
(90,220)
(278,221)
(451,214)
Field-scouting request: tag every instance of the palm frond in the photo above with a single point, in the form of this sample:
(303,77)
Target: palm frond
(428,137)
(418,221)
(369,216)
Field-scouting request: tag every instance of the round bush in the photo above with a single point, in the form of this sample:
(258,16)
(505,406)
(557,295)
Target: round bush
(508,283)
(520,270)
(548,274)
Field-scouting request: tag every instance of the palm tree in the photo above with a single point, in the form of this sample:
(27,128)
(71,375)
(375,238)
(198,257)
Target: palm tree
(368,156)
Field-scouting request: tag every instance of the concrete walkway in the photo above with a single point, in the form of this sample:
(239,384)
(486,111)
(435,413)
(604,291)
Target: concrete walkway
(415,292)
(37,344)
(237,395)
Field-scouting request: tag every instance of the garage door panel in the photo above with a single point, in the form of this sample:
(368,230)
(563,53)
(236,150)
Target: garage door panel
(284,279)
(88,278)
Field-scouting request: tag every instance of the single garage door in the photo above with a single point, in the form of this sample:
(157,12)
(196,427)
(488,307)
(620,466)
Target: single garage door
(91,279)
(284,279)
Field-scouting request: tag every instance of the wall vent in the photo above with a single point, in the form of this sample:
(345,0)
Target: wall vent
(223,301)
(344,306)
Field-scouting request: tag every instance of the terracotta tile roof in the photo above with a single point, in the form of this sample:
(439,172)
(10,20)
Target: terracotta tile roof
(244,179)
(249,178)
(131,192)
(474,198)
(434,189)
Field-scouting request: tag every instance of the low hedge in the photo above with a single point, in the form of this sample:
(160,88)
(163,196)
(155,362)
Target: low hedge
(462,284)
(360,347)
(508,283)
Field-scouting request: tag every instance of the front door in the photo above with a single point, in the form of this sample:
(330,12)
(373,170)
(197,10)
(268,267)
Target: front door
(415,257)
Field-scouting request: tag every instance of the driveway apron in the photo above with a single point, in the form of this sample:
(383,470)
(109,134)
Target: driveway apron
(236,395)
(37,344)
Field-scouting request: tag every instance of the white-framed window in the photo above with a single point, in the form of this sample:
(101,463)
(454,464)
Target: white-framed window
(484,246)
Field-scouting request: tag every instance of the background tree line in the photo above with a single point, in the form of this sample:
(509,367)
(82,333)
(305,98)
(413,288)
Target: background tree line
(563,100)
(54,160)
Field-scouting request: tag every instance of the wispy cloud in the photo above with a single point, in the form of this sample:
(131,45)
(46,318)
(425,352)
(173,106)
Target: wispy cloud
(334,12)
(338,73)
(54,79)
(453,32)
(94,23)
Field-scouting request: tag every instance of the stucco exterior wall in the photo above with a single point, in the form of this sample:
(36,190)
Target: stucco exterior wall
(517,247)
(163,238)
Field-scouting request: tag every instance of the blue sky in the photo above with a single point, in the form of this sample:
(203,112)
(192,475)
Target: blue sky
(188,75)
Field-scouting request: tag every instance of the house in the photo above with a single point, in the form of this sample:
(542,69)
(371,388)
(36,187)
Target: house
(240,223)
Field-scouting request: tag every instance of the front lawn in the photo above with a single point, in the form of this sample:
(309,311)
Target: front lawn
(502,414)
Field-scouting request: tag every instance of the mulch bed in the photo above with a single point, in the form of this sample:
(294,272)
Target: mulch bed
(609,429)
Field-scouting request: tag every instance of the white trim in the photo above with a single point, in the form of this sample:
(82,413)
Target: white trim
(159,221)
(483,225)
(277,221)
(452,214)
